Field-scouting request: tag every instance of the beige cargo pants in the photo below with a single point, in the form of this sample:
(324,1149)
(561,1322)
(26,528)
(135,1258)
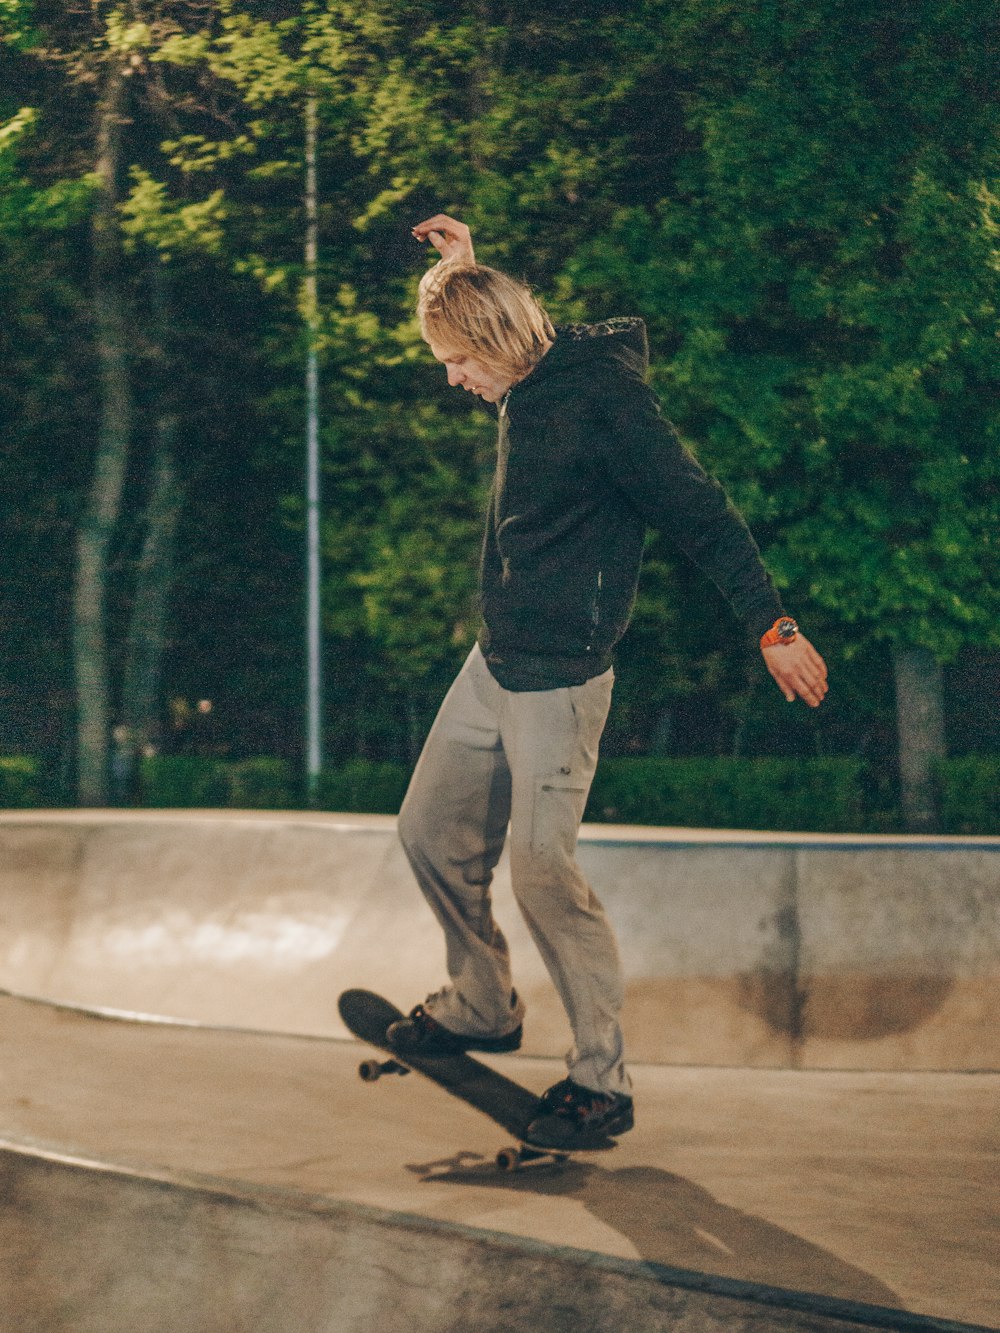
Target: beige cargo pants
(494,758)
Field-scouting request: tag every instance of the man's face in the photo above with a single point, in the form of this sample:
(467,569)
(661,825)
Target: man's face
(472,375)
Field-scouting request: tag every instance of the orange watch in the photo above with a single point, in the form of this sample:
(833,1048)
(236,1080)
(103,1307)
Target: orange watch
(783,631)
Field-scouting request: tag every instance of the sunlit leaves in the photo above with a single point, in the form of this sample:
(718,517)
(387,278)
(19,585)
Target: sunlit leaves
(149,214)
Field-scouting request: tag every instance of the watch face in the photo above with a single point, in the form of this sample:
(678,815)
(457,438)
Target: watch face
(787,628)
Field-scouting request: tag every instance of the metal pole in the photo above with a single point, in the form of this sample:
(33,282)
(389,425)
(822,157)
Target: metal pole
(314,702)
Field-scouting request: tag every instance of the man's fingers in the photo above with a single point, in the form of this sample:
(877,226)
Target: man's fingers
(816,662)
(810,688)
(798,670)
(443,225)
(807,684)
(450,237)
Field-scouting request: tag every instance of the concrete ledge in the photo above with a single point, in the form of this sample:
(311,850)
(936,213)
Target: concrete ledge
(767,950)
(168,1254)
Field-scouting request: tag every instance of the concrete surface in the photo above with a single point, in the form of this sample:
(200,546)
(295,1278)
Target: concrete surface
(156,1250)
(160,1178)
(764,950)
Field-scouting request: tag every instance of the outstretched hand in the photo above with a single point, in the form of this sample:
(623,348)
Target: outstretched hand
(450,237)
(798,669)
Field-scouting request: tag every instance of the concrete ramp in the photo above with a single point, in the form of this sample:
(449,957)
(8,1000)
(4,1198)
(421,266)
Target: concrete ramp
(157,1179)
(172,1256)
(760,950)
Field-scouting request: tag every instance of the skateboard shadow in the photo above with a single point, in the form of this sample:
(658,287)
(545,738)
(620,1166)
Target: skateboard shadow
(670,1220)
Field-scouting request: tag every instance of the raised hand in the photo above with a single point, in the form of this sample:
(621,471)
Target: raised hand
(450,237)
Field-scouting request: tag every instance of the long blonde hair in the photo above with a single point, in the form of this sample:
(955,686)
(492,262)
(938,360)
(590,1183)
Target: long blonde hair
(481,312)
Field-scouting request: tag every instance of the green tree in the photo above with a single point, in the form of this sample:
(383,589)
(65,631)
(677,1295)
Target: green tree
(100,104)
(827,265)
(796,197)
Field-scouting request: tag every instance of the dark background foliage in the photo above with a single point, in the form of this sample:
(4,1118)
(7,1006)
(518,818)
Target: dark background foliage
(798,200)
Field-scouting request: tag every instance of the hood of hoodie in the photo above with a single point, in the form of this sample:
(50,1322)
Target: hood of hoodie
(619,342)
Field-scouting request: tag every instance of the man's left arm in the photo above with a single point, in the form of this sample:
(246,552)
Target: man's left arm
(647,459)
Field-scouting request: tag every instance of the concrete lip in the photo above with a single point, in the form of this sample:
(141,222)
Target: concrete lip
(765,950)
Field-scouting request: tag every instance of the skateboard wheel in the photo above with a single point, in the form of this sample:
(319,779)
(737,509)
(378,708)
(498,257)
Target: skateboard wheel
(508,1159)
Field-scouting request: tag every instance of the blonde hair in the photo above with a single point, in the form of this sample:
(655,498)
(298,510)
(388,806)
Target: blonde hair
(481,312)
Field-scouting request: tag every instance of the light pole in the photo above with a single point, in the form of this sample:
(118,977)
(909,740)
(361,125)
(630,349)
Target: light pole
(314,693)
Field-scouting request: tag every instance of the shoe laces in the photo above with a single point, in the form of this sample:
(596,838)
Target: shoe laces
(575,1102)
(419,1015)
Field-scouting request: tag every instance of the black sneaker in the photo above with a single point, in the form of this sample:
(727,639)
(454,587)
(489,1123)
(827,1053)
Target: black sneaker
(420,1034)
(571,1116)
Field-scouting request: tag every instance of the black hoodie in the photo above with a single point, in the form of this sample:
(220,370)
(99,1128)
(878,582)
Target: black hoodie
(585,463)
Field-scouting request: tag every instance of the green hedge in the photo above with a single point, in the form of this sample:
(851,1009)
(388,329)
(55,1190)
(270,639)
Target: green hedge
(181,781)
(363,786)
(184,781)
(969,794)
(261,784)
(797,795)
(802,795)
(20,783)
(822,795)
(358,786)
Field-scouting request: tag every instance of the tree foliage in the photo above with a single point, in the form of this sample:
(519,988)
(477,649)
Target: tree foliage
(800,199)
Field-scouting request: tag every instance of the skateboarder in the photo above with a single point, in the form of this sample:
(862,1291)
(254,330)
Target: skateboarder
(585,463)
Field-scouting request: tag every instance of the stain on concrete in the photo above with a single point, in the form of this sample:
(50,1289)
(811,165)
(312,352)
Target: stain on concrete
(773,988)
(858,1007)
(804,1005)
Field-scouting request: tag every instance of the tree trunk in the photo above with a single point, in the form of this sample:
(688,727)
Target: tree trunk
(920,727)
(146,643)
(481,69)
(100,518)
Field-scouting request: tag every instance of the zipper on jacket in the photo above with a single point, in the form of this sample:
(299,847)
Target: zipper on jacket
(595,610)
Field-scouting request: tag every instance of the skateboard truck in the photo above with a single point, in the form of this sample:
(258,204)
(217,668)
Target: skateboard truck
(512,1159)
(372,1070)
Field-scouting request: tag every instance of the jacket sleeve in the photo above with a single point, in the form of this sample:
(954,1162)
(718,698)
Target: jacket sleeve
(642,454)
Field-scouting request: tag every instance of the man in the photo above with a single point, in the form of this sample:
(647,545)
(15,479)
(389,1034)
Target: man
(585,462)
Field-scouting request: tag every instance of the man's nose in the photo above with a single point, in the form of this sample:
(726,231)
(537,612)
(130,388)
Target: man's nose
(455,376)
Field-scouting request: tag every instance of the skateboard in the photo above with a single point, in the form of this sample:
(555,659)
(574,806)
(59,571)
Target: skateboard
(505,1102)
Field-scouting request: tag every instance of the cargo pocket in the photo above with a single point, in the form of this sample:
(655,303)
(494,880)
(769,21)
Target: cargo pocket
(556,813)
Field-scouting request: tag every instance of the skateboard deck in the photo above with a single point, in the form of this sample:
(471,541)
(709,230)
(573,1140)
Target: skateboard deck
(505,1102)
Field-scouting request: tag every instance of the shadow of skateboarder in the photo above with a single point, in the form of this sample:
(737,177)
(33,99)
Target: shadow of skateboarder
(672,1221)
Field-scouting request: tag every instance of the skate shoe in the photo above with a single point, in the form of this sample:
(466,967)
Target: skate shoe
(420,1034)
(572,1116)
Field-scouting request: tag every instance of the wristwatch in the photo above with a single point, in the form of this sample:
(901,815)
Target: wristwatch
(783,631)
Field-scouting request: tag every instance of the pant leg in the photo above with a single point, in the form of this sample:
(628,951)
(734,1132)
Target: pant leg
(453,824)
(551,740)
